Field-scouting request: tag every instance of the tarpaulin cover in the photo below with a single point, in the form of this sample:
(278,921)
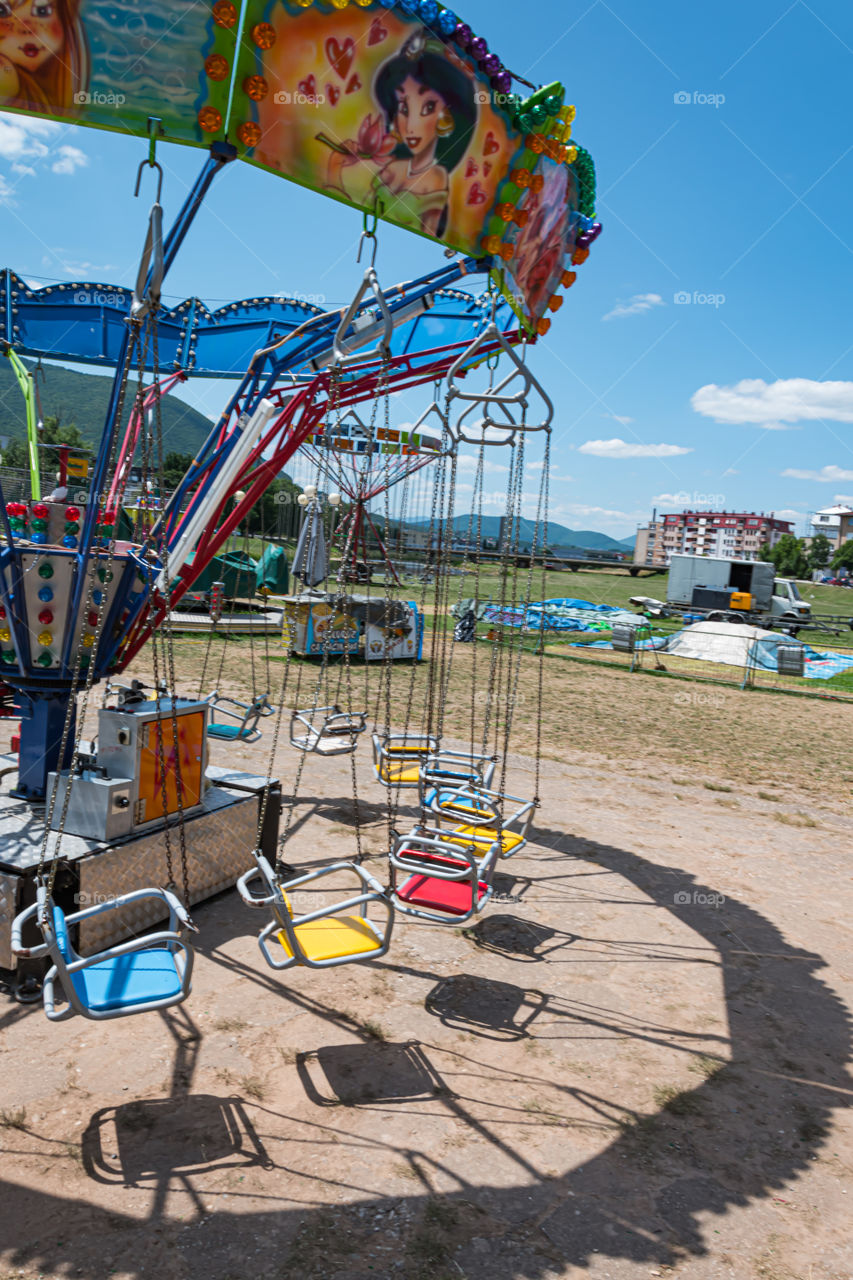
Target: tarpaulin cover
(562,614)
(733,644)
(272,571)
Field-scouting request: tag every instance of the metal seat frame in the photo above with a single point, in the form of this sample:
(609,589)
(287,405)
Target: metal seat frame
(171,939)
(464,799)
(416,854)
(337,735)
(246,714)
(275,899)
(401,749)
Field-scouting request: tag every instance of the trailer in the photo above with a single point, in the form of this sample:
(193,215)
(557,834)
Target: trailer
(723,590)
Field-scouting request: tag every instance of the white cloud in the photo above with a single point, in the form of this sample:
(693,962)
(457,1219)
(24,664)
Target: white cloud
(636,306)
(731,471)
(775,405)
(6,193)
(617,448)
(826,475)
(838,498)
(790,514)
(623,421)
(27,142)
(69,160)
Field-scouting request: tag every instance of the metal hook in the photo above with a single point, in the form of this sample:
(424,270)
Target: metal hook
(369,233)
(152,164)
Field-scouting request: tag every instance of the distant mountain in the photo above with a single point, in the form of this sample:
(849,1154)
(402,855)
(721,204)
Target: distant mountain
(82,399)
(559,536)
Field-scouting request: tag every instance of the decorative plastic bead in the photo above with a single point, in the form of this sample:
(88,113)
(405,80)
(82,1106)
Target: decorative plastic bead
(45,638)
(447,22)
(44,660)
(69,540)
(72,513)
(45,594)
(45,569)
(41,510)
(5,635)
(464,35)
(46,617)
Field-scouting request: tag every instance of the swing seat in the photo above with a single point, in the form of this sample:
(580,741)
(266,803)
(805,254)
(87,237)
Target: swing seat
(146,973)
(485,824)
(244,717)
(336,735)
(399,757)
(483,838)
(337,938)
(445,882)
(324,938)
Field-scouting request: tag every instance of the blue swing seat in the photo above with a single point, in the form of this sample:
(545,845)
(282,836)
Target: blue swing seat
(123,981)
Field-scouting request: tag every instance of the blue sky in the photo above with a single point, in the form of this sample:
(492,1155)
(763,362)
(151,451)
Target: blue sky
(705,353)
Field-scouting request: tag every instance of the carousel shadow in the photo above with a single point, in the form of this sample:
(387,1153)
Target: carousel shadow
(524,940)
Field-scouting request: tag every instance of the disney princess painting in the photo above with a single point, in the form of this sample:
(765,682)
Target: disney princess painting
(403,157)
(44,57)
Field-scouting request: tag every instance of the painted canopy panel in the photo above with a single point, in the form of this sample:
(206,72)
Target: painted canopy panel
(115,64)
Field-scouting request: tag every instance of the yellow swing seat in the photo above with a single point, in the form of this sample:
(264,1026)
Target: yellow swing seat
(333,939)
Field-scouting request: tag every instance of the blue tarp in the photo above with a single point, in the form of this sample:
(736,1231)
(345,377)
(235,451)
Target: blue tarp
(561,614)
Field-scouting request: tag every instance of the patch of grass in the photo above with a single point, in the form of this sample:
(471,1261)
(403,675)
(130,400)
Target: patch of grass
(680,782)
(767,795)
(705,1065)
(13,1119)
(229,1024)
(796,819)
(254,1087)
(373,1030)
(677,1102)
(716,786)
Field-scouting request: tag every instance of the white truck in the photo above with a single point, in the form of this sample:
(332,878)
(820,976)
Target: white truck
(736,590)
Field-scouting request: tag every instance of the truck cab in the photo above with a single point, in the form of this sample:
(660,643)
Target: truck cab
(787,604)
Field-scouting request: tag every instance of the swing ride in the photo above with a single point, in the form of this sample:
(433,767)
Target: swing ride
(511,198)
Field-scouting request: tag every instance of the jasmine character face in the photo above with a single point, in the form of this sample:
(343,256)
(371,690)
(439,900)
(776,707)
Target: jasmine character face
(419,110)
(31,32)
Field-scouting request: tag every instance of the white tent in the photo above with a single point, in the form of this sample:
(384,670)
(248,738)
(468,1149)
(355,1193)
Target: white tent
(725,642)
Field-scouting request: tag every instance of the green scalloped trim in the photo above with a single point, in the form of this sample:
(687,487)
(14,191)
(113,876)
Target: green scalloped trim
(584,168)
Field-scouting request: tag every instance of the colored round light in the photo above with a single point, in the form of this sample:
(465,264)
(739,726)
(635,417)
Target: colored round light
(209,119)
(535,143)
(553,104)
(105,575)
(216,67)
(45,638)
(339,4)
(44,660)
(46,617)
(521,177)
(463,35)
(542,326)
(92,615)
(38,525)
(428,11)
(69,540)
(5,635)
(568,278)
(71,526)
(41,510)
(502,82)
(2,611)
(491,64)
(249,133)
(45,594)
(478,48)
(15,509)
(8,658)
(256,88)
(88,640)
(224,13)
(538,116)
(97,596)
(39,538)
(447,22)
(72,513)
(556,302)
(263,35)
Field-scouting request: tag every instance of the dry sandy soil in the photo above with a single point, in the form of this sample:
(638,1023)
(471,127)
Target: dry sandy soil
(635,1064)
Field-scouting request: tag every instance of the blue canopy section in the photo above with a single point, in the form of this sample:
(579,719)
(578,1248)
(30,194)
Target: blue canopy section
(85,323)
(561,614)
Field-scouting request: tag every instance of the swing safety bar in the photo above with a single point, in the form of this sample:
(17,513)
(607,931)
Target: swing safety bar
(245,716)
(340,353)
(453,768)
(500,395)
(152,972)
(324,938)
(337,735)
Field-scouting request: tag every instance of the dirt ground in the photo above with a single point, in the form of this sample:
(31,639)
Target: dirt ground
(634,1064)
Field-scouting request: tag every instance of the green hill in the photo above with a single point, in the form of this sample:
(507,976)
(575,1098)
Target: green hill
(559,536)
(82,399)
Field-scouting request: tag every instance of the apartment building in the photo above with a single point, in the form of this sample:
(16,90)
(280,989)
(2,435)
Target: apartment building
(733,535)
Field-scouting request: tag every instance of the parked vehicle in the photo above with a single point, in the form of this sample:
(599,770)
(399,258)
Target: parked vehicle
(736,591)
